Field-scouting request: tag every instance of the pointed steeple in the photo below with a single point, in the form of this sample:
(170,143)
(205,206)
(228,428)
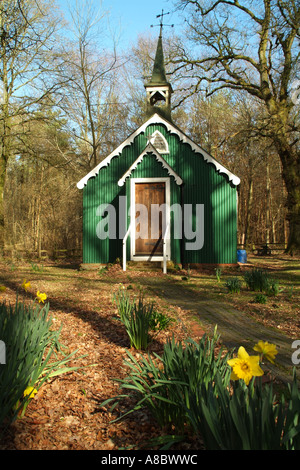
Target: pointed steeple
(158,89)
(159,72)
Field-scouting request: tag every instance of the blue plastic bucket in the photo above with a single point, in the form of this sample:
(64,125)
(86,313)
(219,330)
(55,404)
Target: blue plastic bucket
(241,256)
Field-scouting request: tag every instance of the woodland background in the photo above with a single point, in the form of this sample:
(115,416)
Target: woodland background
(68,100)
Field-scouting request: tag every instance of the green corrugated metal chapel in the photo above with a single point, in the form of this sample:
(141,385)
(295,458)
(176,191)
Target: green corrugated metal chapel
(159,196)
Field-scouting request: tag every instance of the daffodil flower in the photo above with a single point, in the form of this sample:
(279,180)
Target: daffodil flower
(266,350)
(30,391)
(41,296)
(244,366)
(26,285)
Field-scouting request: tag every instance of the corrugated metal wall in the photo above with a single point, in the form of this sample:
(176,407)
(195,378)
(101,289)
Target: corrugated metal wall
(202,185)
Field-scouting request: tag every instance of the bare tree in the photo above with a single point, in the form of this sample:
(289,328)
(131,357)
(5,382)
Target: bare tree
(44,212)
(253,46)
(26,46)
(89,97)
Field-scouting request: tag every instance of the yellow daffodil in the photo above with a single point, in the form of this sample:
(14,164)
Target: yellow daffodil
(2,288)
(266,350)
(30,391)
(244,366)
(41,296)
(26,285)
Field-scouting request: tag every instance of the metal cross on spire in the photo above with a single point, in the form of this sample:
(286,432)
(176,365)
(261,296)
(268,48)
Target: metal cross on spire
(161,24)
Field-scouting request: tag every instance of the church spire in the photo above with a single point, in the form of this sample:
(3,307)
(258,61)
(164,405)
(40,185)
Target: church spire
(159,73)
(158,89)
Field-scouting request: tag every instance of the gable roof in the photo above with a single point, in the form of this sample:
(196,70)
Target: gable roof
(157,119)
(152,151)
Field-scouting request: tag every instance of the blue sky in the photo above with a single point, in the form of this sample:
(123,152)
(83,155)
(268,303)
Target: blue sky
(134,17)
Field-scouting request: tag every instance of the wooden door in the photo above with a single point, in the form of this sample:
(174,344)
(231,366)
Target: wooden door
(148,194)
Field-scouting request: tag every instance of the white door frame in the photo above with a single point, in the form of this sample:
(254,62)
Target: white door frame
(133,181)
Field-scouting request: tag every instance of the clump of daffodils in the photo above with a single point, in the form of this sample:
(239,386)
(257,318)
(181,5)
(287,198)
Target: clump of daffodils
(244,366)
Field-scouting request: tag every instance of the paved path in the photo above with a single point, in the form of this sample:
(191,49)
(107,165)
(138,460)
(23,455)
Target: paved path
(235,327)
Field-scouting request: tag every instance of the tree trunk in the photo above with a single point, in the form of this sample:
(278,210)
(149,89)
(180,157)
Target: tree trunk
(249,213)
(291,176)
(5,144)
(268,208)
(292,181)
